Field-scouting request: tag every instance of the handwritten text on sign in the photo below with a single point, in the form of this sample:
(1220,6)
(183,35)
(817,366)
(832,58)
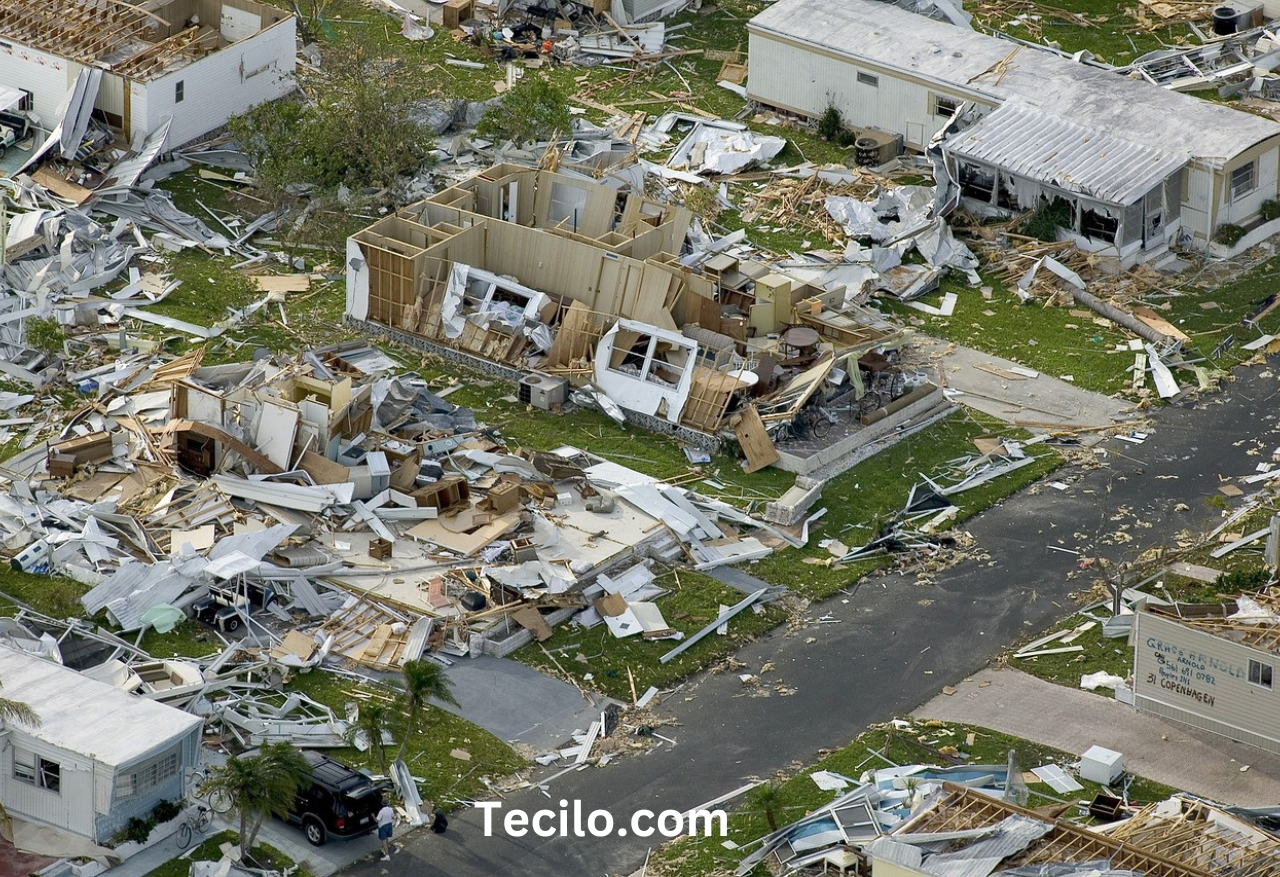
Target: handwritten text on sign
(1191,674)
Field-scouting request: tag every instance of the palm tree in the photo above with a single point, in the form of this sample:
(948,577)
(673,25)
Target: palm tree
(767,797)
(259,785)
(14,711)
(372,722)
(423,681)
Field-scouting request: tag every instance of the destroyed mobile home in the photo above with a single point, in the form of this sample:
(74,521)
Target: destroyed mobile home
(328,495)
(560,282)
(189,64)
(972,819)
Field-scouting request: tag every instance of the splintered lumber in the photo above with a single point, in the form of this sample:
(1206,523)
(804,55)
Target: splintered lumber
(1121,318)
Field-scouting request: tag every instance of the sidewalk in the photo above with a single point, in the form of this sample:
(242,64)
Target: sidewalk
(1073,720)
(323,861)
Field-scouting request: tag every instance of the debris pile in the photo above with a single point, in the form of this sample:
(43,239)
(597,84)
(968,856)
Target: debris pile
(328,495)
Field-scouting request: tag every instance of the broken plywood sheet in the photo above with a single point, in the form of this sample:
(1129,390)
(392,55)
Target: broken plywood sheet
(283,283)
(323,470)
(465,543)
(754,440)
(531,620)
(1159,323)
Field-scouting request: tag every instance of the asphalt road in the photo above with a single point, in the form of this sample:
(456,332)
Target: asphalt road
(898,640)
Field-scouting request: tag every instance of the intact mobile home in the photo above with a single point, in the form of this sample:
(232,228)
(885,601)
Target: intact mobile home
(1139,166)
(99,756)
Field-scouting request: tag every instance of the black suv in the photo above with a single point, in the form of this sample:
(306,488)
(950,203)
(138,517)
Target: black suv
(337,802)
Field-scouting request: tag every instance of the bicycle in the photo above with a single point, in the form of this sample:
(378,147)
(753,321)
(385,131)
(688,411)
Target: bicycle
(219,802)
(812,421)
(199,818)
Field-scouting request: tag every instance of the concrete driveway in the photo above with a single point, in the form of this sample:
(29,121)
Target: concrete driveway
(1018,703)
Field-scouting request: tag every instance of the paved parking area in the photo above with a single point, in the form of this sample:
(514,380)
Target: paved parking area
(1072,720)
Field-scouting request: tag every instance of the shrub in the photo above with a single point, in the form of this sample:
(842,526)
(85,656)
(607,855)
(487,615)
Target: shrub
(329,141)
(44,334)
(1270,209)
(1242,580)
(166,810)
(830,123)
(533,110)
(1045,223)
(1228,234)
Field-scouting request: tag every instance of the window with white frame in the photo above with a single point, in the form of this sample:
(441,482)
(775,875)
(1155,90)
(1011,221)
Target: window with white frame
(35,770)
(868,79)
(146,776)
(24,766)
(1244,180)
(945,106)
(1260,674)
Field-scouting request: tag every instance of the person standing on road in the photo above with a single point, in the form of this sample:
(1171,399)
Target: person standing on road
(386,818)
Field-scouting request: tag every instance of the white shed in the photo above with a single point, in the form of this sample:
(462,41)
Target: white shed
(98,757)
(1174,166)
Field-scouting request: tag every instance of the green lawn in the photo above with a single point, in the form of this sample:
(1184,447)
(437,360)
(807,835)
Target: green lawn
(693,603)
(446,779)
(210,850)
(798,795)
(870,494)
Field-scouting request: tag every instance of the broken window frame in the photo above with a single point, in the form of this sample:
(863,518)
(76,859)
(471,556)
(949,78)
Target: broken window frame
(1262,675)
(1097,225)
(970,175)
(651,361)
(942,106)
(1245,187)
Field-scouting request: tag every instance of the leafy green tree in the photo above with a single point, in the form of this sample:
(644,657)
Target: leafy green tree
(424,681)
(356,130)
(259,785)
(15,711)
(533,110)
(373,721)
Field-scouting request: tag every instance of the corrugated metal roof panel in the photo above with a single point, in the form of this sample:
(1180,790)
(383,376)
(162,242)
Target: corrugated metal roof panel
(1034,144)
(967,61)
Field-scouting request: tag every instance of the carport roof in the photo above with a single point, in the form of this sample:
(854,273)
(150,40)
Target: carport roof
(1031,143)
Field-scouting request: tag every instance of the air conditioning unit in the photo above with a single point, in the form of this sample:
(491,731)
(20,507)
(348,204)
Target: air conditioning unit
(542,391)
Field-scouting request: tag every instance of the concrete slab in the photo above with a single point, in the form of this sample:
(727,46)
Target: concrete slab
(1039,403)
(517,703)
(1017,703)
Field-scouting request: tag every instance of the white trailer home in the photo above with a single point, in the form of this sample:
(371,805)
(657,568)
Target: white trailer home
(1138,166)
(99,756)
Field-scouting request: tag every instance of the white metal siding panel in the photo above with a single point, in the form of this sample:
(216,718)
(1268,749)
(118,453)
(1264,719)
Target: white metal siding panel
(71,808)
(1247,208)
(111,95)
(44,75)
(215,87)
(1201,679)
(794,78)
